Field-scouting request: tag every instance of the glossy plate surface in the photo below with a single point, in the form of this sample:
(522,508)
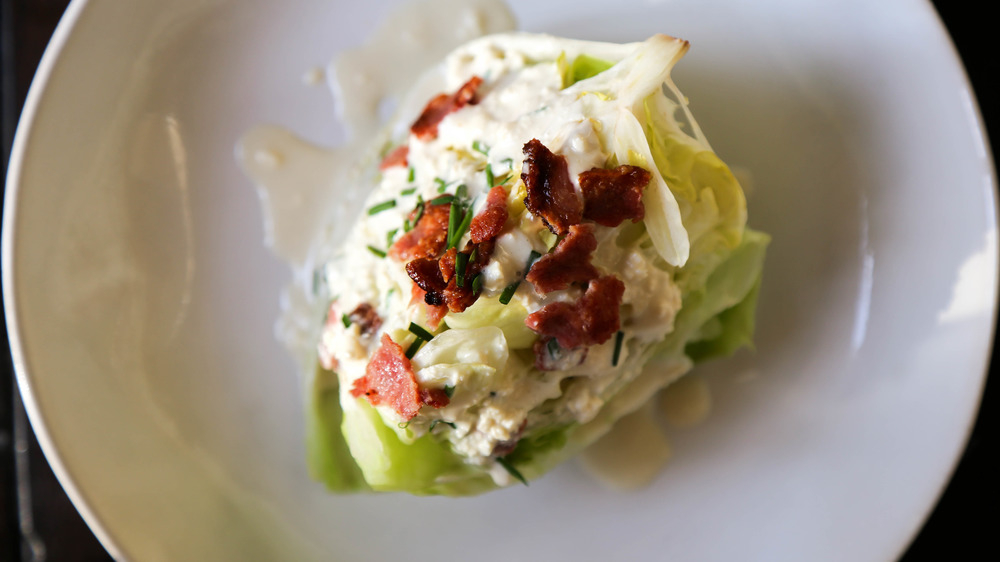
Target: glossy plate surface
(140,299)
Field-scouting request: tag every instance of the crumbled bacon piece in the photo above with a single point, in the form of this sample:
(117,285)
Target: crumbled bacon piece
(611,196)
(367,319)
(426,273)
(551,195)
(426,126)
(447,264)
(427,237)
(568,263)
(591,320)
(434,313)
(434,397)
(489,222)
(389,379)
(397,157)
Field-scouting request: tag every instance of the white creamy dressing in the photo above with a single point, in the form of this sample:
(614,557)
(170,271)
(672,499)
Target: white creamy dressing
(306,214)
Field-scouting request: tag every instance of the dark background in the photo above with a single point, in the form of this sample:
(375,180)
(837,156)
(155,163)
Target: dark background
(37,521)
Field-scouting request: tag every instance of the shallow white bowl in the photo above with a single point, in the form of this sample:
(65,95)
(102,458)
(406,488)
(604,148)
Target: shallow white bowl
(140,299)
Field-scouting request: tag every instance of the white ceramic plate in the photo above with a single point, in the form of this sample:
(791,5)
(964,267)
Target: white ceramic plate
(140,299)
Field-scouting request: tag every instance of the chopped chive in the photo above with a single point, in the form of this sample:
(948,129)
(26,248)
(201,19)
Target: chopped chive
(477,284)
(435,422)
(508,292)
(441,185)
(480,147)
(403,425)
(420,210)
(474,255)
(376,251)
(408,191)
(407,226)
(618,348)
(532,257)
(461,262)
(412,350)
(412,175)
(489,176)
(442,200)
(420,332)
(509,162)
(553,348)
(452,223)
(346,320)
(389,237)
(510,468)
(461,191)
(459,232)
(449,390)
(375,209)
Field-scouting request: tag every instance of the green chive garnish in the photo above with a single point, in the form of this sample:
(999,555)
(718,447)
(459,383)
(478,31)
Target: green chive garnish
(462,227)
(477,284)
(442,200)
(474,255)
(389,237)
(420,332)
(461,191)
(489,176)
(420,210)
(376,251)
(453,223)
(510,468)
(407,226)
(441,185)
(508,292)
(480,147)
(435,422)
(618,348)
(382,206)
(461,262)
(412,175)
(509,162)
(412,350)
(532,257)
(553,348)
(346,320)
(408,191)
(449,390)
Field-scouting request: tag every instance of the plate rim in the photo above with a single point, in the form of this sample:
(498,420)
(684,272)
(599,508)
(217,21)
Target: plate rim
(39,84)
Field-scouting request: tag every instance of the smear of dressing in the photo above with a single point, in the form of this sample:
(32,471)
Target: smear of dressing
(297,181)
(632,454)
(687,402)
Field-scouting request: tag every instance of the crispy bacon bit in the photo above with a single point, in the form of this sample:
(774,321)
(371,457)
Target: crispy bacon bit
(389,380)
(591,320)
(447,264)
(552,357)
(366,318)
(611,196)
(397,157)
(489,222)
(551,194)
(426,273)
(426,126)
(434,313)
(427,238)
(568,263)
(434,397)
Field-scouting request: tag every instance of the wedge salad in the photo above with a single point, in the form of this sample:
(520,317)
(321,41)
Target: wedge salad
(546,244)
